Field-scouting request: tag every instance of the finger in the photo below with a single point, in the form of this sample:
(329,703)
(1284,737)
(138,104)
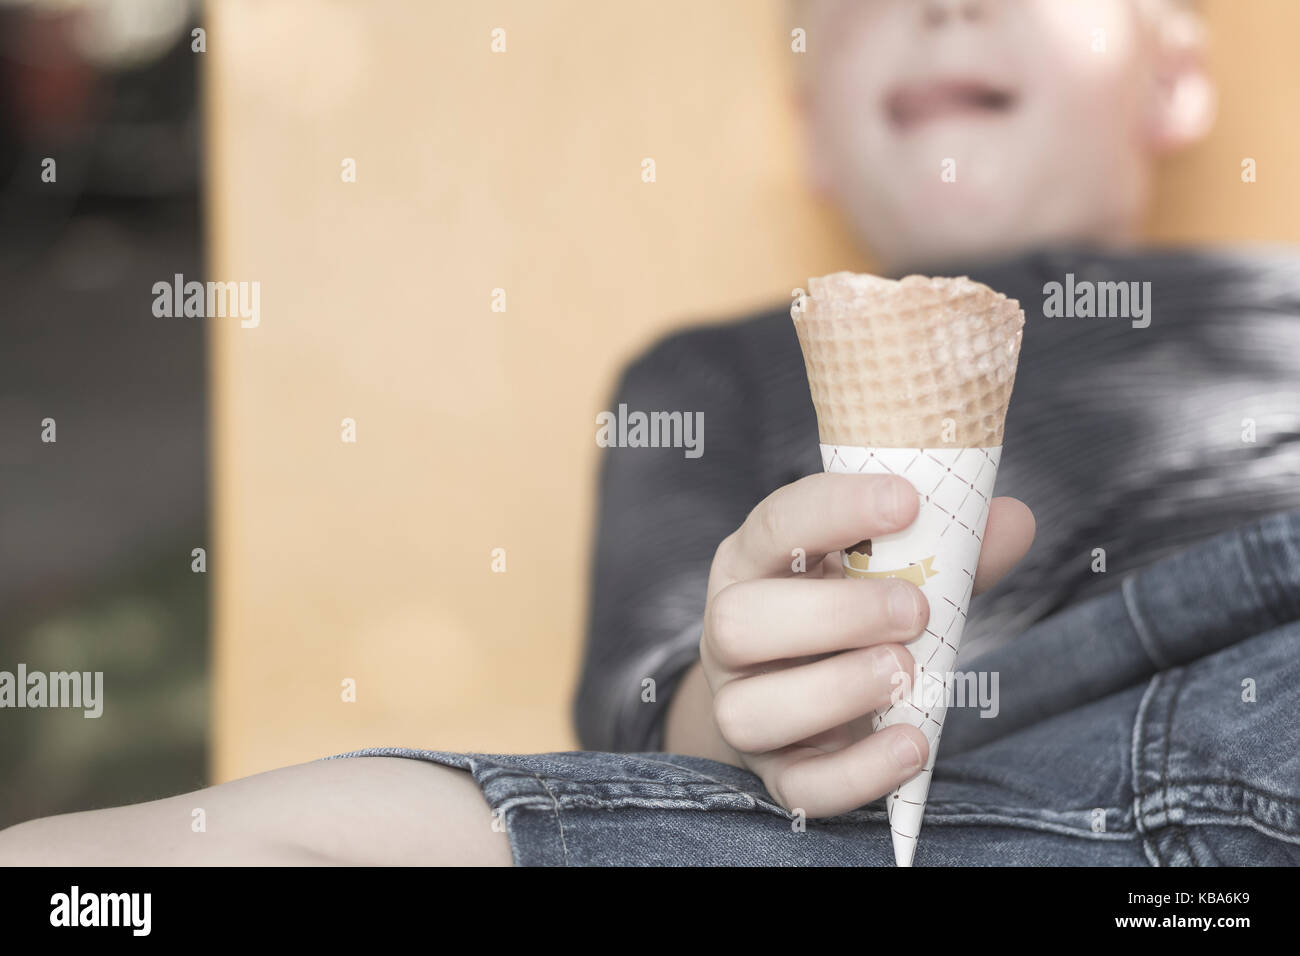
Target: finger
(773,710)
(819,513)
(1007,536)
(772,619)
(825,784)
(832,565)
(1012,527)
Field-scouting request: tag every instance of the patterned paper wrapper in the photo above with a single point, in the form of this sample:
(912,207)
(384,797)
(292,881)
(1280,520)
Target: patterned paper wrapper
(939,553)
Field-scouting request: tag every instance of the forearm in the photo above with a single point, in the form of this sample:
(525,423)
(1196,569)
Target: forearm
(689,728)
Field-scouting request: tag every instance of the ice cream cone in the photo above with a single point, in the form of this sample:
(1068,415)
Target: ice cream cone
(912,378)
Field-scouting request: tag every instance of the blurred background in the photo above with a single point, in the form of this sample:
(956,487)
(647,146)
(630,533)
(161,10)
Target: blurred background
(96,528)
(229,154)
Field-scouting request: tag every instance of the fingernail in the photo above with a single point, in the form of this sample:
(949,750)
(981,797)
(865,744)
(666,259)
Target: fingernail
(886,663)
(906,753)
(903,607)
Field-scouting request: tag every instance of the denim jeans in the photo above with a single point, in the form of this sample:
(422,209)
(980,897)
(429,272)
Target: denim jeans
(1157,724)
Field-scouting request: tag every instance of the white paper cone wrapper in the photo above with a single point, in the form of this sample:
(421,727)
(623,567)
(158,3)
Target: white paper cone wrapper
(938,553)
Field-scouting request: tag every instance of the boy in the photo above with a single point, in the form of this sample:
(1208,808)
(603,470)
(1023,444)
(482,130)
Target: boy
(952,133)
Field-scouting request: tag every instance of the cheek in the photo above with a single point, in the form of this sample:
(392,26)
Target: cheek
(847,117)
(1098,116)
(1077,32)
(1091,139)
(1091,80)
(1083,50)
(865,51)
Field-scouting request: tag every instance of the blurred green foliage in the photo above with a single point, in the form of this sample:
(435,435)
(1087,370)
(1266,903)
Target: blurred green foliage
(146,629)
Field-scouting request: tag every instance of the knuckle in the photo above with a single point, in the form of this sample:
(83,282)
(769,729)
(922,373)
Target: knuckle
(768,517)
(725,628)
(725,552)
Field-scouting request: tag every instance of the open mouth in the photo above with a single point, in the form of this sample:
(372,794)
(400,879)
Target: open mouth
(913,106)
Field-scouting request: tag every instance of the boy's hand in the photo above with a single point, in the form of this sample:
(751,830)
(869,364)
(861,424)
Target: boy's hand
(797,662)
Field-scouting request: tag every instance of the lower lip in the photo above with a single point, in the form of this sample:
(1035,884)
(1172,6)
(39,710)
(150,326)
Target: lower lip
(973,115)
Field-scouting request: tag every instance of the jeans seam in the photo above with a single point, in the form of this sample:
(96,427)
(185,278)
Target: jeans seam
(1179,829)
(1127,588)
(1251,571)
(566,792)
(692,796)
(1192,800)
(1028,822)
(1148,845)
(1249,822)
(559,820)
(1026,819)
(714,781)
(642,788)
(995,816)
(1233,817)
(1234,783)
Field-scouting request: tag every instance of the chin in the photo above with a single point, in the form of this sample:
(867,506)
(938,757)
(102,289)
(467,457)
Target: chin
(954,222)
(944,247)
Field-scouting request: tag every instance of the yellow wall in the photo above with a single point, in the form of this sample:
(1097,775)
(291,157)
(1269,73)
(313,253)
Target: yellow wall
(1202,197)
(521,171)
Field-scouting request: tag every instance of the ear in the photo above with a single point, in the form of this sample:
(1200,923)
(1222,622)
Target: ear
(1183,98)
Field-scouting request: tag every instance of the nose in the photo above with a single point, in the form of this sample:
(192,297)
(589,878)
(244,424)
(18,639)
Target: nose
(938,13)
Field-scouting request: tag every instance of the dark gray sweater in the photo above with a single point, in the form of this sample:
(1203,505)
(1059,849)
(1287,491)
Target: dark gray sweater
(1121,438)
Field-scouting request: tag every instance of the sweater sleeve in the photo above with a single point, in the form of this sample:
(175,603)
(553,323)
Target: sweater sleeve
(661,515)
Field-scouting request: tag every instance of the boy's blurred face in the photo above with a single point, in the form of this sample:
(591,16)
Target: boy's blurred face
(950,129)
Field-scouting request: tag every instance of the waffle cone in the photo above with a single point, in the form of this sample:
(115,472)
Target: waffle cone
(914,363)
